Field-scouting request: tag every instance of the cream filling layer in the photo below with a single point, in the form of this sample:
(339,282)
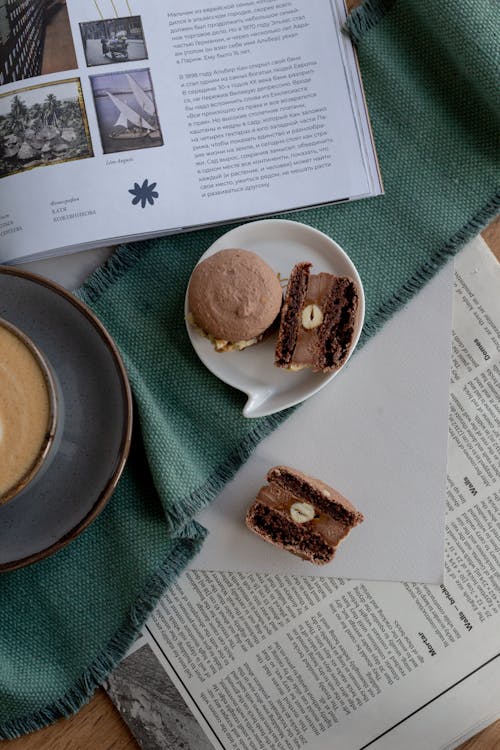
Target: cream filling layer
(221,345)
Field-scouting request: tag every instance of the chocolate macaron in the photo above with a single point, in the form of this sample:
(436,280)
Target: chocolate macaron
(302,515)
(234,297)
(318,321)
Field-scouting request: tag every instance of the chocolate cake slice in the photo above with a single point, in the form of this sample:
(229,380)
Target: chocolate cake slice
(318,321)
(302,515)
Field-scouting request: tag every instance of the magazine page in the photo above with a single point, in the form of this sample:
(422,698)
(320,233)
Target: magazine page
(288,662)
(127,118)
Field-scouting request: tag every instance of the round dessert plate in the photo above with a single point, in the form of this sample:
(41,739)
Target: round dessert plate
(97,406)
(282,244)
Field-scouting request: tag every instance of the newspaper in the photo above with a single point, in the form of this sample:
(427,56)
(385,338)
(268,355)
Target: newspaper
(284,662)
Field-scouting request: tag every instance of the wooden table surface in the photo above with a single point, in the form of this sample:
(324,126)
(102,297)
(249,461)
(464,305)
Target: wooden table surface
(98,725)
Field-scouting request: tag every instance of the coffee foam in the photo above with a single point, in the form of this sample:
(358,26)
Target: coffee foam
(24,410)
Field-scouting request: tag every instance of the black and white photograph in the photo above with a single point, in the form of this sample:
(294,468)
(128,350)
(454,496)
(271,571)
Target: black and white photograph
(43,125)
(113,40)
(35,39)
(152,706)
(126,111)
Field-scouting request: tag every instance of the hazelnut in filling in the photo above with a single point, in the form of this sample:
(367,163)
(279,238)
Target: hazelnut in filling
(318,321)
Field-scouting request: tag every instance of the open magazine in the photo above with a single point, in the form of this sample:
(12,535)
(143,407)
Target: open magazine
(254,661)
(123,119)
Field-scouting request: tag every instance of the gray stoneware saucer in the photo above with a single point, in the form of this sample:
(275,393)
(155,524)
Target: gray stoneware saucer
(97,419)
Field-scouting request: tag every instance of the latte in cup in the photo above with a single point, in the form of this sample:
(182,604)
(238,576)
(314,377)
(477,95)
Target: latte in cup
(28,406)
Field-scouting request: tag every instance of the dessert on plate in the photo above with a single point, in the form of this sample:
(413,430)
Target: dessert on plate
(302,515)
(318,321)
(234,297)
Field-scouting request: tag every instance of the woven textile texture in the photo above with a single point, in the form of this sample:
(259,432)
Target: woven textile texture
(430,71)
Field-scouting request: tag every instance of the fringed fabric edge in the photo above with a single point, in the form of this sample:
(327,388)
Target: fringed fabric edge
(124,258)
(80,693)
(426,271)
(365,17)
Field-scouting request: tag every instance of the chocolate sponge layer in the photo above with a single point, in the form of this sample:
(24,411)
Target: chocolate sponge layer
(316,492)
(290,313)
(279,530)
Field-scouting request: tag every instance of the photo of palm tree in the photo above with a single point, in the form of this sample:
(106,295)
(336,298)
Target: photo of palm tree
(43,125)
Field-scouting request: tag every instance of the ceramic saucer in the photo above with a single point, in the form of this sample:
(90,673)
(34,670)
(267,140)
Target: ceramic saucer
(97,419)
(282,244)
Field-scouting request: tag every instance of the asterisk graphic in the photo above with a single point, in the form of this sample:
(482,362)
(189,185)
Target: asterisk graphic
(144,193)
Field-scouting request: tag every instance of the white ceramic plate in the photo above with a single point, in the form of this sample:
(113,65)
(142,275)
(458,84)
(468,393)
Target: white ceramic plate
(282,244)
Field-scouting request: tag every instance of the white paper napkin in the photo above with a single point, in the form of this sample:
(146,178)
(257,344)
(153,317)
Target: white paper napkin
(377,433)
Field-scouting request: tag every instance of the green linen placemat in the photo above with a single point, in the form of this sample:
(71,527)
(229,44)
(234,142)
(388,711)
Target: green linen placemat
(430,71)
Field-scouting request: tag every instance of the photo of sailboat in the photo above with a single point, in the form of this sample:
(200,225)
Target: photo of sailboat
(126,111)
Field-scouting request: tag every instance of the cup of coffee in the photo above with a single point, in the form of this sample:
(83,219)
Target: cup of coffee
(30,413)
